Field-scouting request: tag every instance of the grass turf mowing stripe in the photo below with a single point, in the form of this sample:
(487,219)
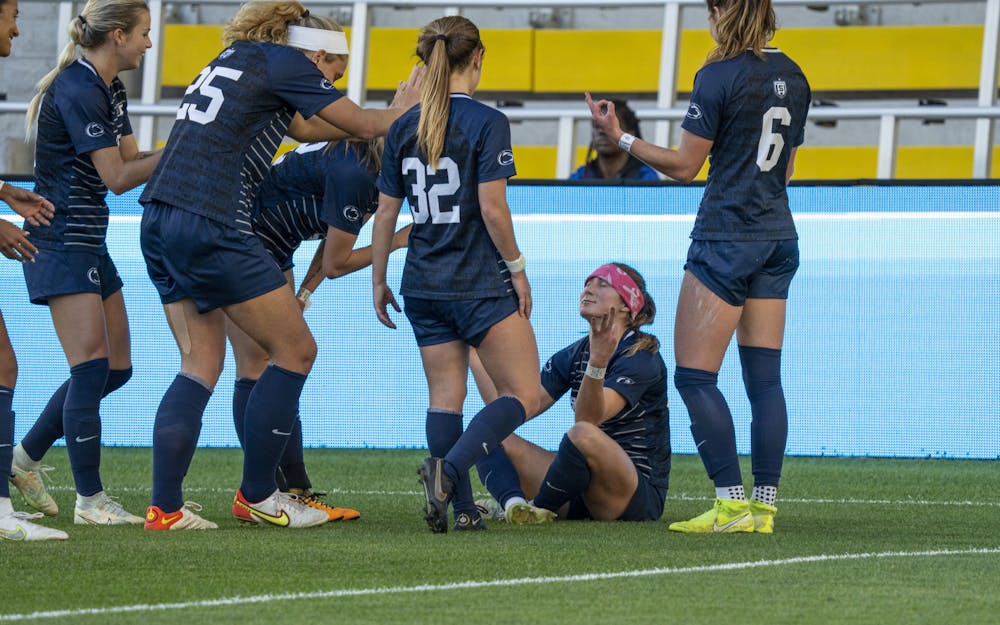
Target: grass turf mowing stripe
(670,497)
(587,577)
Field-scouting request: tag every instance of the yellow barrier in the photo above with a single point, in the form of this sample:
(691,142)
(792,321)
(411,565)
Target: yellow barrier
(851,59)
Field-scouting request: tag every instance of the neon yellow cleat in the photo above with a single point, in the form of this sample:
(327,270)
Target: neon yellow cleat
(726,516)
(527,514)
(763,517)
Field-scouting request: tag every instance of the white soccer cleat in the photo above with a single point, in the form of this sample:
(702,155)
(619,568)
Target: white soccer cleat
(280,509)
(17,526)
(28,480)
(102,510)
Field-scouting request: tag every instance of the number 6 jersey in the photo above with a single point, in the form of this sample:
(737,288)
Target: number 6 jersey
(450,254)
(755,112)
(228,128)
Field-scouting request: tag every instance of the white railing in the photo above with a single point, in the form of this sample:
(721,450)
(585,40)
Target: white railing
(665,113)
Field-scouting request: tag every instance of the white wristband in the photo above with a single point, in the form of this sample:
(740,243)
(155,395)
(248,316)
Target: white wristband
(515,266)
(595,372)
(303,297)
(625,142)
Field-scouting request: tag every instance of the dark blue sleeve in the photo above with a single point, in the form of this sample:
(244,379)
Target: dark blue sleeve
(630,376)
(496,160)
(390,179)
(708,100)
(556,373)
(87,115)
(579,174)
(294,79)
(349,194)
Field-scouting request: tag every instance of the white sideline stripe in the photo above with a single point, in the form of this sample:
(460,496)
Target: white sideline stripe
(688,218)
(521,581)
(670,497)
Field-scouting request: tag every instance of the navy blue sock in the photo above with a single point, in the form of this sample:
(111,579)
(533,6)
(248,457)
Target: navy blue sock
(769,428)
(241,394)
(82,423)
(292,467)
(568,477)
(498,475)
(443,429)
(175,437)
(495,422)
(270,416)
(711,424)
(48,428)
(6,438)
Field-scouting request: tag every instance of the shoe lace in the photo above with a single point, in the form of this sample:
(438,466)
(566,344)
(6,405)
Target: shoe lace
(27,516)
(41,472)
(111,506)
(192,506)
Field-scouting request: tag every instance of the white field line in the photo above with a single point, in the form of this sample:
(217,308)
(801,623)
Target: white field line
(522,581)
(670,497)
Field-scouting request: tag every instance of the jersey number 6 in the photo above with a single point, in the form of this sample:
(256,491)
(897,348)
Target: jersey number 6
(429,200)
(203,85)
(771,143)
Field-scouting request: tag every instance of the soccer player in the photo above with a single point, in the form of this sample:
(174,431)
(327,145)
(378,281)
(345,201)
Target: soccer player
(748,109)
(318,191)
(84,147)
(14,244)
(614,462)
(464,279)
(274,77)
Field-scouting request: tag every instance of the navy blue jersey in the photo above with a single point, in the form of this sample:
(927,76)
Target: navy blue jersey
(229,126)
(755,112)
(312,188)
(78,115)
(450,253)
(642,428)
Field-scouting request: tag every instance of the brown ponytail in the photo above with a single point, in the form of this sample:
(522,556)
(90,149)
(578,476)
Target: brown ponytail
(744,25)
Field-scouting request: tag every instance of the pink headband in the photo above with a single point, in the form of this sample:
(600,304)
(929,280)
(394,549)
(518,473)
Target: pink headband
(623,283)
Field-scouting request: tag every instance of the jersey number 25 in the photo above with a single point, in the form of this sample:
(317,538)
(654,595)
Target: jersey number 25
(203,85)
(428,204)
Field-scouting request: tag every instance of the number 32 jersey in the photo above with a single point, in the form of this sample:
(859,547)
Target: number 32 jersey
(229,126)
(755,112)
(450,254)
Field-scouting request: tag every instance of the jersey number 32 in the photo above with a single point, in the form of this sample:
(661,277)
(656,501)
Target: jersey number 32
(428,204)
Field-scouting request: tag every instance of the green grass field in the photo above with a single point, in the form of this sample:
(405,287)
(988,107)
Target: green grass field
(857,541)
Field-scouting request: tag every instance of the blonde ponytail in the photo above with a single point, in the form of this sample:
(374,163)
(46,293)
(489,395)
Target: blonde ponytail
(446,45)
(90,29)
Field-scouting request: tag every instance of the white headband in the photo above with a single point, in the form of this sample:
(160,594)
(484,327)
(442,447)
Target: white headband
(313,39)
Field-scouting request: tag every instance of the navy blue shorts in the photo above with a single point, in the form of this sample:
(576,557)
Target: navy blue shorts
(443,321)
(646,504)
(60,272)
(741,270)
(191,256)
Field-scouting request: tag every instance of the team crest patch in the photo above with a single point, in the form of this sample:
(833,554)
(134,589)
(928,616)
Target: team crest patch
(694,111)
(94,130)
(351,213)
(780,88)
(94,276)
(505,158)
(326,84)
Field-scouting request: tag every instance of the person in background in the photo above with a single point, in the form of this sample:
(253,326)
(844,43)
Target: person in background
(614,462)
(14,244)
(606,161)
(748,110)
(84,147)
(464,279)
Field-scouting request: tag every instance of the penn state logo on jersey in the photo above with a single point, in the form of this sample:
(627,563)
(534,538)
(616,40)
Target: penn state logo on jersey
(94,130)
(624,380)
(506,157)
(352,213)
(548,365)
(94,276)
(780,88)
(326,84)
(694,111)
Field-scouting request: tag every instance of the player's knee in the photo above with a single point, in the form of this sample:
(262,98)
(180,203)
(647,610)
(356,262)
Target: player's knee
(583,434)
